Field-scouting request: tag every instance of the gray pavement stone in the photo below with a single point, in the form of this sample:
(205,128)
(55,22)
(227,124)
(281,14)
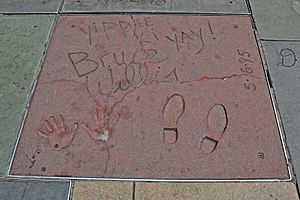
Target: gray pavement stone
(284,66)
(181,6)
(277,19)
(33,190)
(29,6)
(23,41)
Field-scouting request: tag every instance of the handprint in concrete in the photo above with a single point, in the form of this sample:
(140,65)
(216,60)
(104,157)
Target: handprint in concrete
(104,123)
(57,134)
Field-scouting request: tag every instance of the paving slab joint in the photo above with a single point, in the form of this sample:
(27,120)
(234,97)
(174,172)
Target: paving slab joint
(27,14)
(71,190)
(270,80)
(66,13)
(61,7)
(133,190)
(249,7)
(297,186)
(275,107)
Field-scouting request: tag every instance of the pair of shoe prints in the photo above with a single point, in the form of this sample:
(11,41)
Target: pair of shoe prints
(151,96)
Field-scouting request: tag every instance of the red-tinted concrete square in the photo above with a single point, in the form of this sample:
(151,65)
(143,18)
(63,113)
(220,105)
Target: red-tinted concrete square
(151,96)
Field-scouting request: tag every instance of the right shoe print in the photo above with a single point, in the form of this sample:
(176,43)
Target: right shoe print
(217,123)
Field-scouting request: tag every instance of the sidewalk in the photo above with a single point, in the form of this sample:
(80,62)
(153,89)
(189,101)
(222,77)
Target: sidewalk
(149,99)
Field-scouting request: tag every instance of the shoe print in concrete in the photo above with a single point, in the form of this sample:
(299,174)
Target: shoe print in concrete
(23,40)
(172,112)
(217,122)
(168,6)
(152,96)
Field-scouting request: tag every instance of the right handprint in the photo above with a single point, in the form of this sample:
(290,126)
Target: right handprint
(104,122)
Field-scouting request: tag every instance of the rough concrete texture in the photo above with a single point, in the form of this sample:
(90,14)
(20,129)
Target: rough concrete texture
(102,190)
(33,190)
(277,19)
(29,6)
(23,41)
(152,96)
(284,66)
(216,191)
(178,6)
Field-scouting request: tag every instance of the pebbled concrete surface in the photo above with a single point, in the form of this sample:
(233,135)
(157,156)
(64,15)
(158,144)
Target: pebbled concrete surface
(216,191)
(169,6)
(102,190)
(277,19)
(23,41)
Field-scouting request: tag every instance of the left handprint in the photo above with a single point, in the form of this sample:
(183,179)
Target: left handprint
(57,134)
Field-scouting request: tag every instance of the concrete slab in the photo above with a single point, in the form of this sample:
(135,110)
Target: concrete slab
(23,40)
(30,6)
(169,6)
(102,190)
(284,66)
(216,191)
(152,96)
(277,19)
(33,190)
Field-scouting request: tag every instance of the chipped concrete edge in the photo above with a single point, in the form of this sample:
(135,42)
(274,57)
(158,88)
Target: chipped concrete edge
(30,94)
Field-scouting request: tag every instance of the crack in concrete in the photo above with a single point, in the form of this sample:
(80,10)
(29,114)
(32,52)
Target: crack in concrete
(224,78)
(132,90)
(107,160)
